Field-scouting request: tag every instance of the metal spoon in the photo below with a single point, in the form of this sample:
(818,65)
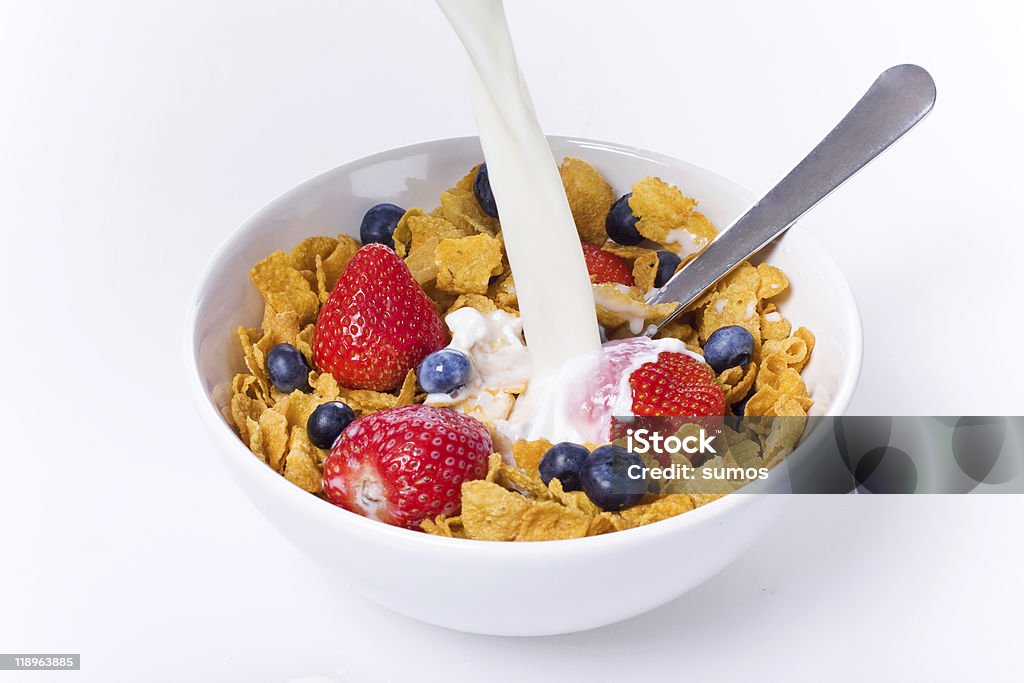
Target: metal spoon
(896,102)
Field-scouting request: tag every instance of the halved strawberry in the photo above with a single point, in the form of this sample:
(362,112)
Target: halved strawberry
(680,390)
(403,465)
(676,385)
(377,324)
(605,266)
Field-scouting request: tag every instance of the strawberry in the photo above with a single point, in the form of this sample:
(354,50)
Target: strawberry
(679,388)
(377,324)
(605,266)
(404,465)
(678,385)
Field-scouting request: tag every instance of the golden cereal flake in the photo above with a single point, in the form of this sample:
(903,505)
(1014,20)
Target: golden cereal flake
(627,252)
(449,527)
(461,209)
(645,271)
(426,233)
(503,292)
(773,281)
(244,408)
(808,338)
(477,302)
(466,265)
(515,479)
(737,382)
(666,216)
(664,508)
(407,393)
(605,523)
(274,427)
(255,361)
(255,438)
(572,499)
(618,305)
(300,466)
(734,306)
(785,435)
(677,329)
(773,325)
(660,208)
(284,288)
(334,264)
(402,235)
(528,454)
(549,521)
(303,255)
(442,300)
(770,368)
(465,184)
(702,499)
(590,198)
(437,526)
(792,350)
(743,277)
(490,513)
(279,328)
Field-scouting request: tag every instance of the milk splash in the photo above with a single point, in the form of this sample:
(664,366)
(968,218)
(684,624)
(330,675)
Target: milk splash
(556,300)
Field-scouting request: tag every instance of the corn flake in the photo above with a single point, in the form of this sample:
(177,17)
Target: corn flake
(303,255)
(660,207)
(301,466)
(621,305)
(549,521)
(773,281)
(528,454)
(590,198)
(284,288)
(773,325)
(459,206)
(808,337)
(466,265)
(477,302)
(627,252)
(734,306)
(490,513)
(645,271)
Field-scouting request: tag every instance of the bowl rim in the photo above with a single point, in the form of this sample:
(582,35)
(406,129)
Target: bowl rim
(328,514)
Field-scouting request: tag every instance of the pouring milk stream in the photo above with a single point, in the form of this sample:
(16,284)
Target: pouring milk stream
(575,387)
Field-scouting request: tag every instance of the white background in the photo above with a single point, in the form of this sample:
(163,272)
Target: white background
(135,135)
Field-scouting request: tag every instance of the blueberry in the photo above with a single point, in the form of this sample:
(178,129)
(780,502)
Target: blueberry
(378,226)
(482,190)
(563,462)
(327,422)
(288,369)
(621,223)
(444,371)
(606,481)
(728,347)
(667,264)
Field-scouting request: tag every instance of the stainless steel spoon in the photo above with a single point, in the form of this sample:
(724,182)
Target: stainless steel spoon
(896,102)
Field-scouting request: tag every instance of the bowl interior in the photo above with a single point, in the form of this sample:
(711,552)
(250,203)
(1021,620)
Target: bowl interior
(335,201)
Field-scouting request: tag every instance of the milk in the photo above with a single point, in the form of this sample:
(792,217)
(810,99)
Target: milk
(555,299)
(576,385)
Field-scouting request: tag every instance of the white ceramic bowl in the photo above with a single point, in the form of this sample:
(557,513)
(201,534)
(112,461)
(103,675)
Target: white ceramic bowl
(478,586)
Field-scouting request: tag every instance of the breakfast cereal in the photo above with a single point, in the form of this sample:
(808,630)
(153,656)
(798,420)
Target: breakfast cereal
(455,256)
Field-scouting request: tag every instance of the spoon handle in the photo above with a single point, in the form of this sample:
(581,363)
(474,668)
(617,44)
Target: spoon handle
(900,98)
